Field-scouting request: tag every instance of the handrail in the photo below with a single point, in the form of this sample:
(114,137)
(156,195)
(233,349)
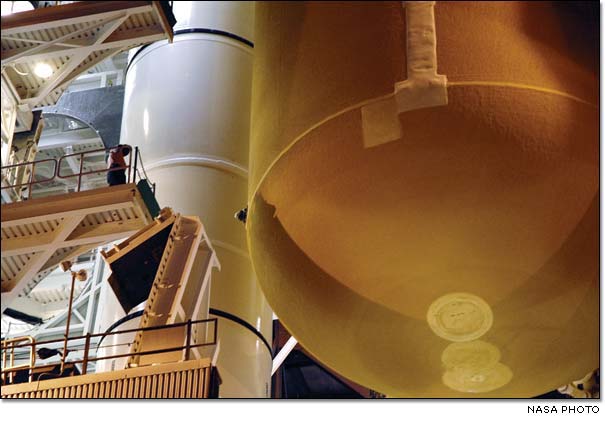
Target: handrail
(81,173)
(33,344)
(11,344)
(59,164)
(32,181)
(132,330)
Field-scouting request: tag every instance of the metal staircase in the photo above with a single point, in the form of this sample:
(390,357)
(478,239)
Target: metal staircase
(176,292)
(167,287)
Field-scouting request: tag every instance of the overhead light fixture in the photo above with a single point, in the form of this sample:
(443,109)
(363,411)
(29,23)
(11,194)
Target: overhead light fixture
(43,70)
(9,7)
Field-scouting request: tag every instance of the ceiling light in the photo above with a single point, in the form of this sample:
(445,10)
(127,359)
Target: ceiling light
(9,7)
(43,70)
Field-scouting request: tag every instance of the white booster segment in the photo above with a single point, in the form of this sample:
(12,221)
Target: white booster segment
(187,107)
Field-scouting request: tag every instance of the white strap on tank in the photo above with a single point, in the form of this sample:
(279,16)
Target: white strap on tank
(423,87)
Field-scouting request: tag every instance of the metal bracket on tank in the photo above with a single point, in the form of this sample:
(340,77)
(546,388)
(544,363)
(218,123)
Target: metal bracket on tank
(423,87)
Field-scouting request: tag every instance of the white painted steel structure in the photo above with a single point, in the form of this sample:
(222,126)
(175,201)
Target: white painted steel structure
(49,303)
(71,39)
(40,233)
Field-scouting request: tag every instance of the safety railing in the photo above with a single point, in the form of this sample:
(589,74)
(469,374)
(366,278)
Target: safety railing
(8,357)
(9,370)
(81,170)
(9,173)
(72,167)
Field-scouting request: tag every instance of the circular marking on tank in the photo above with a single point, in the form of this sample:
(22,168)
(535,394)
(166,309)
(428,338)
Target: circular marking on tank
(460,317)
(481,381)
(470,356)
